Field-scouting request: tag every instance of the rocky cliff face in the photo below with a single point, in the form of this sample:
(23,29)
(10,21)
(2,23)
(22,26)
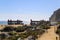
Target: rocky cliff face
(55,17)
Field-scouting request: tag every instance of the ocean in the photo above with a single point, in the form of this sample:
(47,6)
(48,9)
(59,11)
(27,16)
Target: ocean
(5,22)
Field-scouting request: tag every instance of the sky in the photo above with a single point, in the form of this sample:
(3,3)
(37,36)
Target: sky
(27,9)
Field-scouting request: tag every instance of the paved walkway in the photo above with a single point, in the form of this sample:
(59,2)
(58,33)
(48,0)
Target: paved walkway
(50,34)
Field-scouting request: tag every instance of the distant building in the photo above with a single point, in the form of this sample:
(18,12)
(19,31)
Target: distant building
(34,22)
(13,22)
(55,18)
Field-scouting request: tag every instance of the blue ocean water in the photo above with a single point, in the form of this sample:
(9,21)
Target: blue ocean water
(3,22)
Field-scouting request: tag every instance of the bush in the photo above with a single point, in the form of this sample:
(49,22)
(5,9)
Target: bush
(20,29)
(44,26)
(2,36)
(8,29)
(58,30)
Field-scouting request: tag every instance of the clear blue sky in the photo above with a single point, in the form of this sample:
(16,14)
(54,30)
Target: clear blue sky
(27,9)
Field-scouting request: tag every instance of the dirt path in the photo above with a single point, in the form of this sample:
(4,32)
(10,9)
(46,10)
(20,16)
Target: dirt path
(50,35)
